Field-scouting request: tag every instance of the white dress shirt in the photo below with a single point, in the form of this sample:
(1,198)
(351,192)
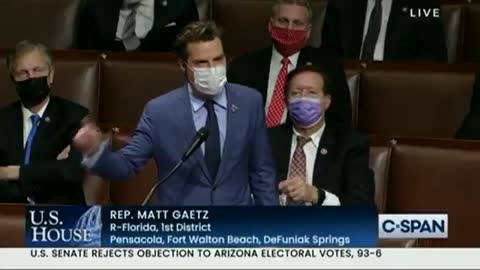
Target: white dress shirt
(27,123)
(380,47)
(311,149)
(275,67)
(144,17)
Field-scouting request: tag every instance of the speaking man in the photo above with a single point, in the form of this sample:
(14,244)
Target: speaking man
(233,167)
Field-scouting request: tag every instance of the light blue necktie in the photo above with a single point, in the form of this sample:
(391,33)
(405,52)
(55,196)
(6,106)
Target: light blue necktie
(28,146)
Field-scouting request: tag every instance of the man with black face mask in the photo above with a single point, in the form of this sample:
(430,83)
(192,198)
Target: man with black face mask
(266,69)
(37,164)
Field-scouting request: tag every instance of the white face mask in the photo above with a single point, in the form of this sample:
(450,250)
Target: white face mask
(210,80)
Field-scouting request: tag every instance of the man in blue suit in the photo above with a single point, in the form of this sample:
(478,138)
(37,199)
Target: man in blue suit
(233,167)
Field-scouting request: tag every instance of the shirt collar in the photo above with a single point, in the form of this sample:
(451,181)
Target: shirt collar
(27,113)
(315,136)
(135,3)
(277,57)
(197,103)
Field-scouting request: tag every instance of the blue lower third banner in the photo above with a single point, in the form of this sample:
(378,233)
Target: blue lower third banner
(94,226)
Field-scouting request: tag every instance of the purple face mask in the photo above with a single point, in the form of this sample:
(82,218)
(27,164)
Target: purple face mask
(305,112)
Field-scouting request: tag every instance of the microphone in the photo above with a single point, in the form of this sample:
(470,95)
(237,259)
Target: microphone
(199,138)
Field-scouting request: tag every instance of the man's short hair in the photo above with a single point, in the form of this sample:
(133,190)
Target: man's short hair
(303,3)
(24,47)
(303,69)
(199,31)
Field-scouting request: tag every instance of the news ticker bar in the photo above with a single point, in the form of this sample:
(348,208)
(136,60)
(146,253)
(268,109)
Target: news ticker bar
(240,258)
(211,227)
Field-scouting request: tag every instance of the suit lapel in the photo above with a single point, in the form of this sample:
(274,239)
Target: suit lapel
(109,14)
(282,149)
(358,19)
(325,156)
(354,38)
(263,66)
(234,117)
(187,127)
(303,57)
(50,123)
(165,14)
(393,26)
(16,135)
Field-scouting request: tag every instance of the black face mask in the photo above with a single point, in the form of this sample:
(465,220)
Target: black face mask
(33,91)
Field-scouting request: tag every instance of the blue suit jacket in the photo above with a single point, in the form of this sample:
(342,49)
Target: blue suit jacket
(166,129)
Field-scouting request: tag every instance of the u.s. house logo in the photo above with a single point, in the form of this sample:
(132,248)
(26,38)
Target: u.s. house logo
(63,227)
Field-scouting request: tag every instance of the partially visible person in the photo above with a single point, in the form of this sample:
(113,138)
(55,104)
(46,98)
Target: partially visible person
(470,128)
(266,69)
(318,162)
(385,30)
(233,166)
(37,162)
(128,25)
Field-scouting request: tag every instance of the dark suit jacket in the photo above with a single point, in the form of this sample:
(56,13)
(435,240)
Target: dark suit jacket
(343,171)
(99,19)
(45,179)
(471,125)
(406,39)
(253,69)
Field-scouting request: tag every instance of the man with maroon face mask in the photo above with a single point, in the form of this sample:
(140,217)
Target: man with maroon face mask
(266,69)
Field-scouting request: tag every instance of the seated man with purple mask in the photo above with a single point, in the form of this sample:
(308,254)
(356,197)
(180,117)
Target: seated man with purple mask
(318,162)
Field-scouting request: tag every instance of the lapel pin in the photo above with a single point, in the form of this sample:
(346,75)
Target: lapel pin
(47,119)
(164,3)
(323,151)
(308,64)
(404,9)
(234,108)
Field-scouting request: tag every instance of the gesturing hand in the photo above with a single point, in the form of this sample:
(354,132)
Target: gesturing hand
(88,139)
(299,190)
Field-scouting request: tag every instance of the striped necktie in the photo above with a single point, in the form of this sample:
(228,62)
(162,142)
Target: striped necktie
(298,165)
(373,32)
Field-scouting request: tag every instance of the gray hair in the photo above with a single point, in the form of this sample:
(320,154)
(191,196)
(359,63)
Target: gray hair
(302,3)
(22,48)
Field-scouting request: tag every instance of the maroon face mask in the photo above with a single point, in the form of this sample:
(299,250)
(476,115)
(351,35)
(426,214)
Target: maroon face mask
(288,41)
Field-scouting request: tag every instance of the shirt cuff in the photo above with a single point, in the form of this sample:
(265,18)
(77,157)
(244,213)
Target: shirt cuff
(331,199)
(91,161)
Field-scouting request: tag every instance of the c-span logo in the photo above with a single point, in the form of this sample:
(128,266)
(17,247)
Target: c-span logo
(413,226)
